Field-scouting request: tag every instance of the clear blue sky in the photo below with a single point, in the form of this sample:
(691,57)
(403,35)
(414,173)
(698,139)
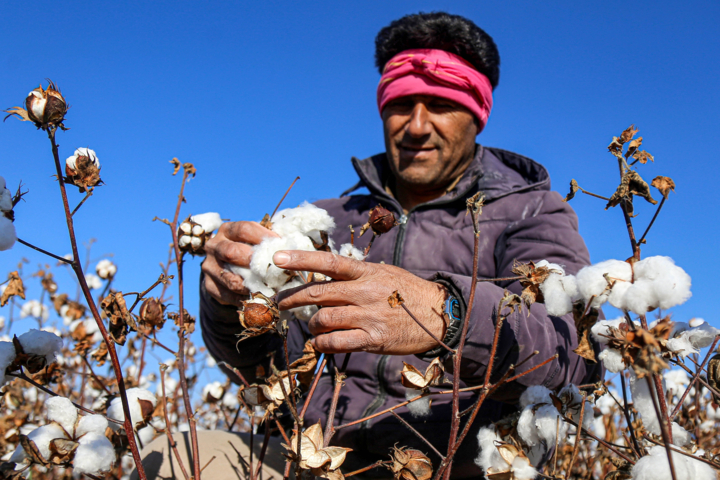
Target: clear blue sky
(255,93)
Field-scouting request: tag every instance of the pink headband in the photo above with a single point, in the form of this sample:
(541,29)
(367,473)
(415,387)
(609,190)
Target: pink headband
(437,73)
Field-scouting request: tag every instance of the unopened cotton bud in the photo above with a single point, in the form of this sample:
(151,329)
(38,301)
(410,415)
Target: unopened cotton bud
(257,315)
(381,220)
(46,106)
(152,312)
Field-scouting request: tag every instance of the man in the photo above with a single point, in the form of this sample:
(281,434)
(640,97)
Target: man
(434,97)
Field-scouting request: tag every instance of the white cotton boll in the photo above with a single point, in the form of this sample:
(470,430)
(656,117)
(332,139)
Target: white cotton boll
(5,197)
(115,410)
(262,263)
(42,437)
(680,436)
(230,401)
(70,162)
(695,322)
(196,242)
(197,230)
(522,470)
(209,222)
(87,152)
(418,408)
(91,424)
(105,269)
(254,283)
(640,297)
(535,394)
(643,403)
(591,282)
(606,404)
(7,356)
(655,466)
(349,250)
(553,267)
(146,435)
(612,360)
(94,455)
(41,343)
(670,282)
(713,413)
(546,419)
(8,237)
(210,362)
(33,308)
(307,220)
(489,457)
(702,336)
(62,411)
(558,302)
(526,427)
(676,379)
(93,281)
(601,330)
(214,390)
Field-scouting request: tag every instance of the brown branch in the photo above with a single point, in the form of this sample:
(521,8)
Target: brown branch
(379,463)
(657,212)
(664,425)
(87,195)
(418,434)
(139,296)
(22,376)
(173,444)
(678,450)
(576,447)
(426,329)
(56,257)
(314,385)
(329,429)
(600,441)
(283,197)
(694,379)
(77,268)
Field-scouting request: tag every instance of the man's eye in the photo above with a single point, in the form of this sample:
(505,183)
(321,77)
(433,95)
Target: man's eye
(441,104)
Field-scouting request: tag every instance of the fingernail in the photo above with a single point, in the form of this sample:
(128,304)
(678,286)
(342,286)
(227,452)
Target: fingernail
(281,258)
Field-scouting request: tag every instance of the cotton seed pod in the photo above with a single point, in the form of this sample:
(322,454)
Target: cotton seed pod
(410,464)
(192,237)
(83,169)
(257,315)
(381,220)
(45,107)
(713,370)
(152,313)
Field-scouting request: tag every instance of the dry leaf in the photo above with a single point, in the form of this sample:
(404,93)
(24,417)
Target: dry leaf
(411,377)
(713,376)
(533,277)
(410,464)
(664,184)
(305,366)
(574,188)
(583,324)
(631,184)
(176,165)
(395,300)
(642,156)
(121,321)
(62,451)
(14,288)
(186,323)
(323,462)
(632,148)
(628,134)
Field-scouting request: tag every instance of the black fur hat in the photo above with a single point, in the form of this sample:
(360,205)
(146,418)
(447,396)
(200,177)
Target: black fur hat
(442,31)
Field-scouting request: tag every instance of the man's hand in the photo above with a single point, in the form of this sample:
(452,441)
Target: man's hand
(356,315)
(232,245)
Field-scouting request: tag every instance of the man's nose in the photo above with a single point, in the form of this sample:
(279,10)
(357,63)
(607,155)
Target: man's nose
(419,124)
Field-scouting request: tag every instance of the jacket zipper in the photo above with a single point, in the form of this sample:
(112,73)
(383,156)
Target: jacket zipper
(381,395)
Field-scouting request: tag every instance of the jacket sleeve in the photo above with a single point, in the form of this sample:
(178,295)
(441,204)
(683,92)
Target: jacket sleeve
(551,233)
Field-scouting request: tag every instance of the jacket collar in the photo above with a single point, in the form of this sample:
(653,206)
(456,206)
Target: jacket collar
(493,171)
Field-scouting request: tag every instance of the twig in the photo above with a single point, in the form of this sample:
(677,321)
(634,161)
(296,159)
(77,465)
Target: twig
(623,407)
(236,372)
(77,268)
(501,279)
(139,296)
(664,427)
(283,197)
(426,329)
(329,428)
(87,195)
(208,463)
(662,202)
(594,195)
(22,376)
(418,434)
(316,380)
(181,334)
(600,441)
(56,257)
(379,463)
(92,374)
(678,450)
(156,342)
(576,447)
(173,444)
(263,449)
(694,379)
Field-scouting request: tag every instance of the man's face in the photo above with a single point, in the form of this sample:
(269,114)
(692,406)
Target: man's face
(429,141)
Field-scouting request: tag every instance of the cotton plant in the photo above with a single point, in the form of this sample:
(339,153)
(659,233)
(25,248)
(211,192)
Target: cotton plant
(69,440)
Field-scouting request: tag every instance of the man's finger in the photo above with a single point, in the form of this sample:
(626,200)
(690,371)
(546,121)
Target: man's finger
(222,277)
(223,295)
(329,319)
(341,341)
(327,294)
(329,264)
(233,253)
(247,232)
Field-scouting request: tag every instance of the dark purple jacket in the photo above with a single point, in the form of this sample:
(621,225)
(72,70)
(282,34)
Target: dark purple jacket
(522,220)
